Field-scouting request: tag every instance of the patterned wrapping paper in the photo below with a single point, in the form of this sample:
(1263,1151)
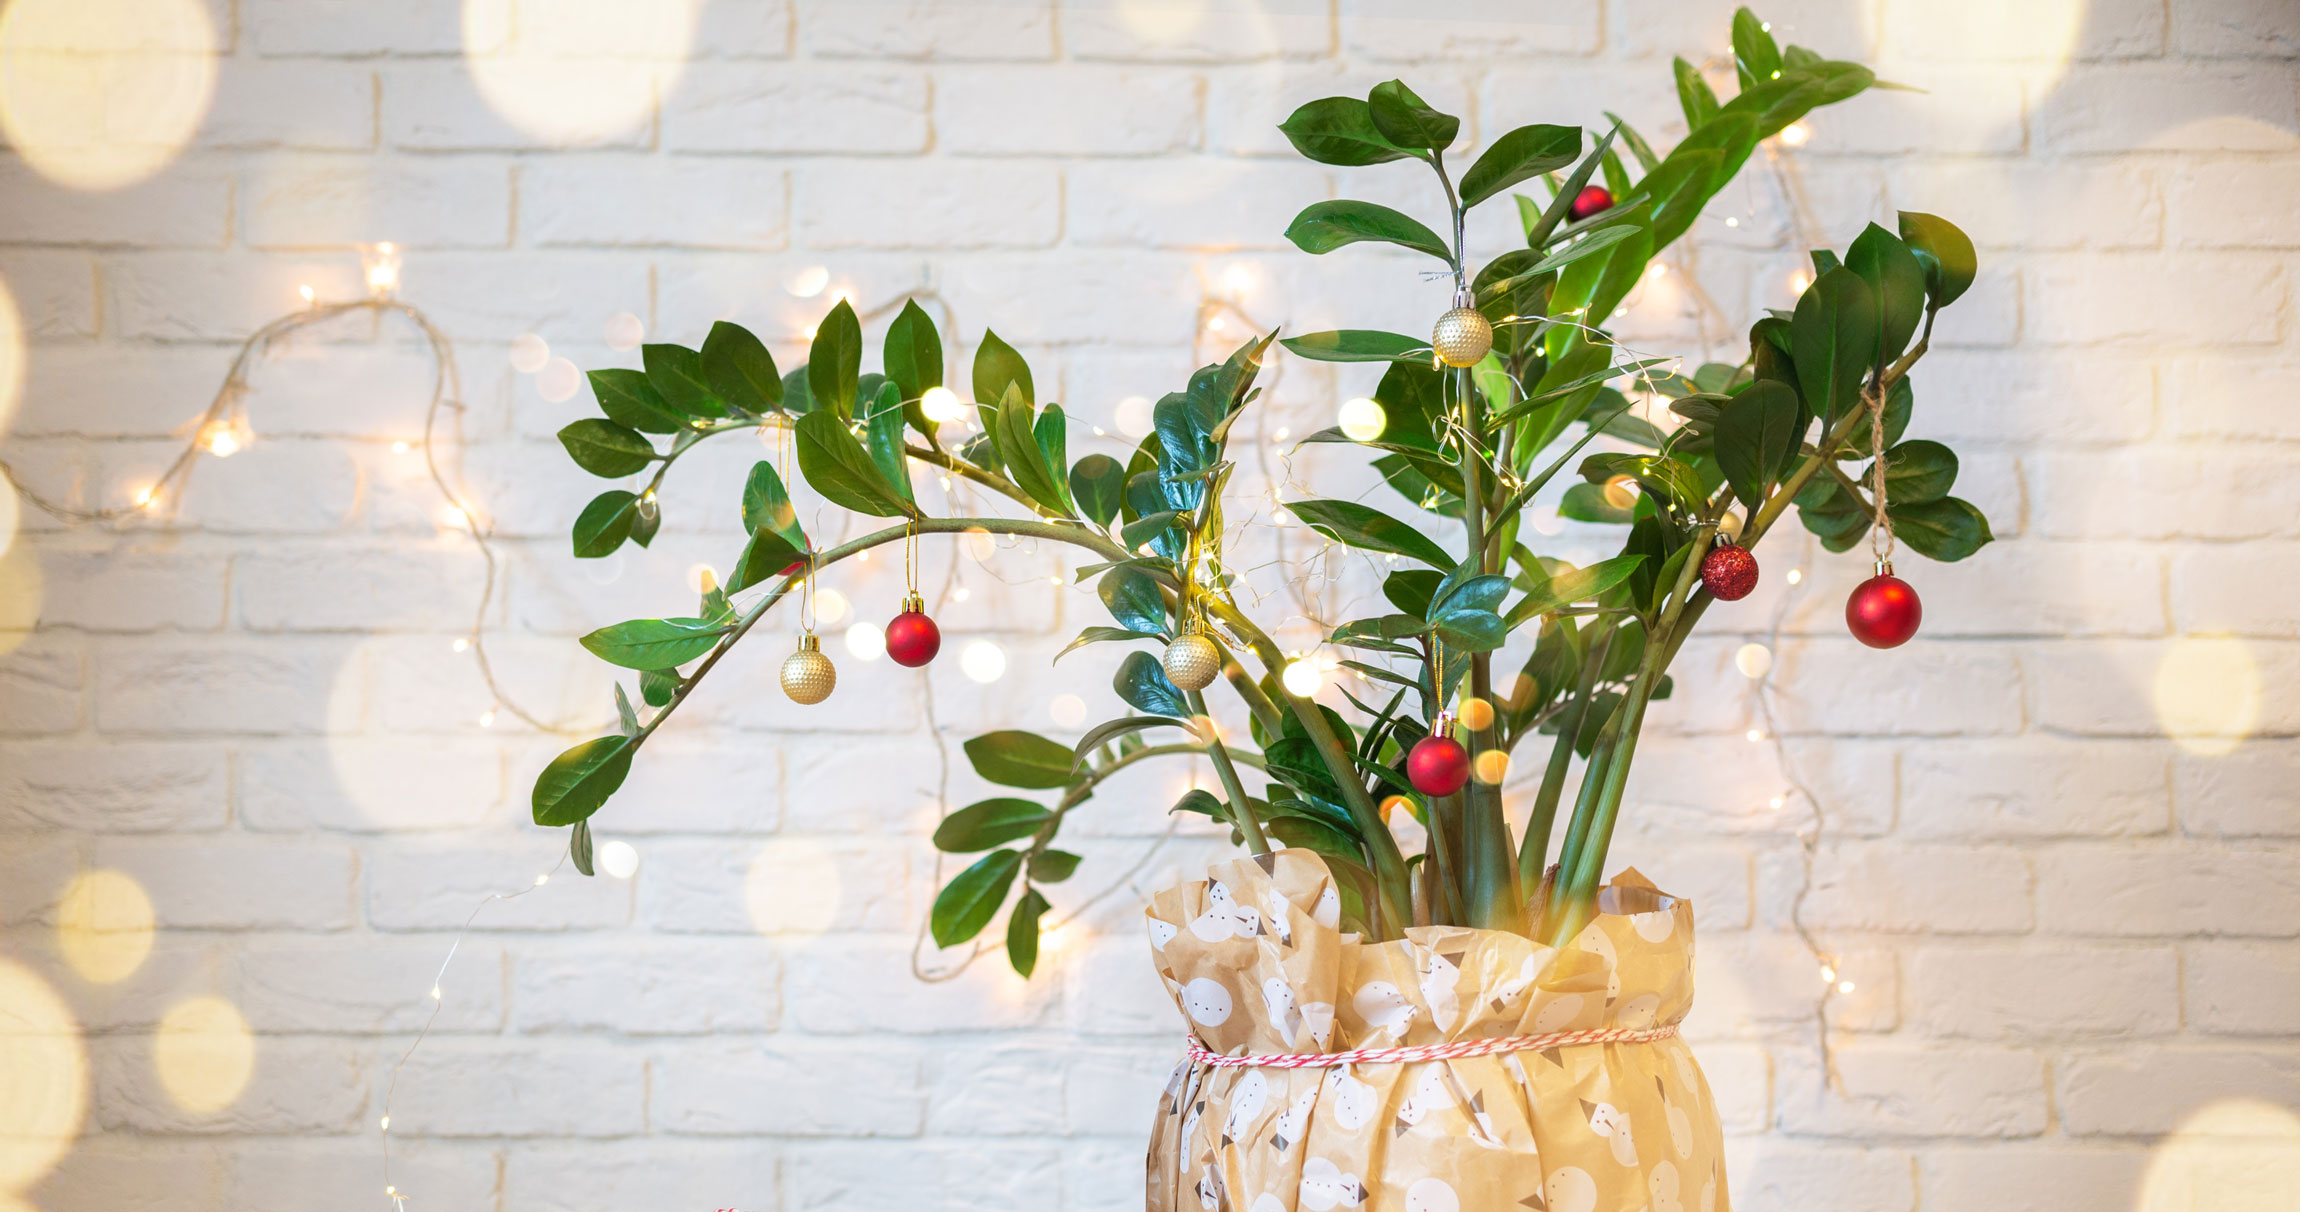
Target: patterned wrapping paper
(1254,957)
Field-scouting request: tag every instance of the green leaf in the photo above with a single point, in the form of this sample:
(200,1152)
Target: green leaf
(1052,432)
(1694,95)
(1098,635)
(606,449)
(1103,733)
(767,555)
(1014,758)
(1526,152)
(834,361)
(1014,428)
(1369,529)
(1339,130)
(1564,588)
(624,715)
(996,365)
(1898,281)
(676,374)
(1661,477)
(1412,589)
(882,436)
(1022,928)
(629,399)
(1755,55)
(1407,121)
(1098,485)
(1539,230)
(1900,403)
(1315,835)
(914,351)
(1471,629)
(578,781)
(579,847)
(1053,866)
(654,643)
(1945,252)
(798,398)
(1323,227)
(738,367)
(605,523)
(1596,241)
(656,686)
(1917,472)
(1142,683)
(971,899)
(1588,503)
(1133,599)
(767,505)
(1948,530)
(1295,760)
(842,471)
(1357,345)
(988,823)
(1756,438)
(1833,340)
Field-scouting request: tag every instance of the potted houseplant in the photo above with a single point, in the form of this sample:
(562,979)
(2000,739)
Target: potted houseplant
(1487,1022)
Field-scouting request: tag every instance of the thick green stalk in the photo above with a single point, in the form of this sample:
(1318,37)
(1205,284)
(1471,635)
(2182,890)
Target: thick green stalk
(1241,810)
(1584,807)
(1484,869)
(1533,857)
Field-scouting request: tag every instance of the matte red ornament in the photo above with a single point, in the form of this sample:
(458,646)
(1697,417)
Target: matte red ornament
(1883,611)
(912,639)
(1729,571)
(1438,765)
(1596,199)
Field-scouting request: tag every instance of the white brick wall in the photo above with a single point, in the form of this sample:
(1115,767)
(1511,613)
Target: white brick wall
(2069,933)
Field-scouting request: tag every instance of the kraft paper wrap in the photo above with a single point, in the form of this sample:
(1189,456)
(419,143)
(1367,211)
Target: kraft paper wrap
(1257,963)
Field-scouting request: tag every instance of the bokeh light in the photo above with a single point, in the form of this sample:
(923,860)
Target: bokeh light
(624,331)
(2207,693)
(983,661)
(558,380)
(104,925)
(12,357)
(619,859)
(204,1054)
(576,71)
(44,1094)
(809,282)
(1135,416)
(2233,1155)
(22,589)
(1067,710)
(866,641)
(1756,660)
(98,94)
(1363,420)
(941,405)
(830,605)
(1303,678)
(794,886)
(529,353)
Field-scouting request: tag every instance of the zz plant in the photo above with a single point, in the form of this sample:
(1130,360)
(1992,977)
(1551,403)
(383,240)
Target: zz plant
(1467,449)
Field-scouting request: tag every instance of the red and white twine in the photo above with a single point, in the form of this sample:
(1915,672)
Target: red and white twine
(1452,1050)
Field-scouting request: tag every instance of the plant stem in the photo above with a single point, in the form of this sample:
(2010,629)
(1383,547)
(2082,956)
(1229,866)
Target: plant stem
(1533,857)
(1240,810)
(1484,869)
(996,483)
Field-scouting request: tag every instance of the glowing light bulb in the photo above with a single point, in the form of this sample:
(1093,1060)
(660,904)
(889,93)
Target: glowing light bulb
(143,498)
(1303,678)
(983,661)
(385,1126)
(399,448)
(542,879)
(309,295)
(382,265)
(809,282)
(1658,270)
(941,404)
(1847,986)
(223,443)
(619,859)
(1753,660)
(1733,222)
(1797,284)
(487,718)
(1828,974)
(1363,420)
(1795,134)
(462,644)
(1779,802)
(1797,575)
(435,988)
(1216,324)
(1756,734)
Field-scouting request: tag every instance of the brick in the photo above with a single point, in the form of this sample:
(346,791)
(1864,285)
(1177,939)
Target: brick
(872,787)
(2041,992)
(2036,787)
(1202,203)
(659,986)
(370,785)
(133,1175)
(962,1176)
(437,106)
(1110,989)
(2215,588)
(2240,988)
(278,1177)
(1894,1089)
(53,292)
(2211,396)
(863,985)
(2049,205)
(2213,205)
(333,110)
(1066,110)
(419,202)
(792,885)
(833,108)
(654,201)
(2059,589)
(1965,110)
(714,1089)
(1922,889)
(1228,32)
(1740,1080)
(432,888)
(2100,890)
(204,297)
(188,206)
(1958,689)
(1645,29)
(2236,107)
(1963,31)
(38,870)
(296,1086)
(122,788)
(41,683)
(2028,1178)
(2247,792)
(368,589)
(1752,983)
(941,204)
(93,390)
(322,986)
(2145,1091)
(554,1177)
(743,31)
(1113,1092)
(154,584)
(209,686)
(922,29)
(2206,690)
(491,1088)
(2199,299)
(2159,492)
(2249,28)
(240,884)
(353,29)
(1770,1175)
(1400,30)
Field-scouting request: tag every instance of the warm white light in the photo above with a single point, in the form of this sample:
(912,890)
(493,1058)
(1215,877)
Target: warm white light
(309,295)
(577,71)
(941,405)
(487,718)
(386,1126)
(1067,710)
(1215,324)
(1732,222)
(1756,734)
(222,442)
(1797,284)
(1303,678)
(1282,516)
(453,518)
(830,605)
(1753,660)
(1795,135)
(462,644)
(1280,434)
(98,94)
(382,264)
(961,594)
(558,380)
(1658,270)
(1362,419)
(542,879)
(529,352)
(624,331)
(983,661)
(1828,974)
(1134,416)
(866,640)
(1797,575)
(1847,986)
(619,859)
(399,448)
(809,282)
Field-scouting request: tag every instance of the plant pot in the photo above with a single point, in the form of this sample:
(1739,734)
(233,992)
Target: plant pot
(1255,959)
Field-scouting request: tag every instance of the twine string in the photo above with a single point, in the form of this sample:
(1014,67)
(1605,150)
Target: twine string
(1881,528)
(1449,1050)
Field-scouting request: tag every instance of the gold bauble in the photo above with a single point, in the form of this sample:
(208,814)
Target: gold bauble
(1462,337)
(808,676)
(1192,661)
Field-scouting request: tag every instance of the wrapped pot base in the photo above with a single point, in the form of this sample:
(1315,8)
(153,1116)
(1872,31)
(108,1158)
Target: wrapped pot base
(1255,959)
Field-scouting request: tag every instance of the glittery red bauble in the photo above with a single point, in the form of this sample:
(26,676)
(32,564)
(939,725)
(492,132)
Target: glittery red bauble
(1438,765)
(1884,612)
(912,639)
(1729,571)
(1593,200)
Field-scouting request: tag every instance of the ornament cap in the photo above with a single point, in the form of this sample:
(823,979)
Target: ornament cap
(810,642)
(913,604)
(1884,568)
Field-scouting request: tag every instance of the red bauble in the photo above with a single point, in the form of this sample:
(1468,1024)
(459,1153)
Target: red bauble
(1594,200)
(1729,571)
(1438,765)
(912,639)
(1884,611)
